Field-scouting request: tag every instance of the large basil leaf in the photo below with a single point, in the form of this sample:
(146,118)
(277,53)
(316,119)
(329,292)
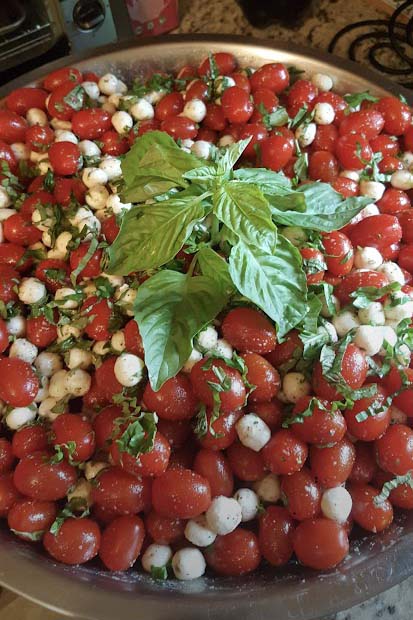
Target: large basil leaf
(269,182)
(170,309)
(245,211)
(228,156)
(325,209)
(216,268)
(151,235)
(275,282)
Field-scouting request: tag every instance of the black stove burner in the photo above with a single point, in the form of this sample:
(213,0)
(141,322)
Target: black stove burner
(387,35)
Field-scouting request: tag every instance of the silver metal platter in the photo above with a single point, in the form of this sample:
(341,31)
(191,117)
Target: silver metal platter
(293,593)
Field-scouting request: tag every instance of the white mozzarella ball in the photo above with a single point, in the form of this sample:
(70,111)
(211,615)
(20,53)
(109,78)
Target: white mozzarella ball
(295,386)
(57,123)
(94,176)
(112,167)
(16,326)
(156,556)
(40,222)
(142,110)
(367,258)
(78,358)
(336,504)
(46,409)
(226,140)
(19,416)
(122,121)
(353,175)
(188,564)
(305,134)
(154,96)
(126,297)
(268,489)
(31,291)
(93,468)
(372,315)
(128,369)
(324,113)
(222,82)
(398,311)
(61,135)
(61,243)
(118,341)
(101,348)
(115,205)
(372,189)
(402,179)
(36,116)
(325,310)
(89,149)
(43,391)
(58,385)
(96,197)
(193,359)
(198,532)
(67,331)
(115,281)
(44,167)
(63,297)
(368,211)
(249,502)
(345,321)
(223,515)
(47,239)
(223,348)
(24,350)
(4,198)
(331,331)
(48,363)
(91,89)
(253,432)
(389,337)
(109,107)
(208,338)
(195,109)
(84,219)
(82,490)
(201,149)
(108,84)
(78,382)
(122,87)
(322,81)
(6,213)
(20,150)
(115,99)
(407,159)
(392,271)
(369,338)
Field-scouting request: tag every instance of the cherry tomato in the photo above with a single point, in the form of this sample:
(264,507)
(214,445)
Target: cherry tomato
(53,272)
(17,229)
(331,466)
(394,449)
(388,165)
(224,61)
(397,115)
(314,264)
(325,138)
(8,279)
(322,166)
(198,89)
(58,105)
(276,152)
(18,382)
(175,400)
(114,144)
(339,254)
(285,453)
(4,336)
(241,80)
(12,127)
(365,465)
(92,268)
(405,258)
(273,76)
(374,425)
(133,339)
(231,398)
(406,222)
(6,456)
(322,427)
(20,100)
(220,433)
(353,370)
(60,76)
(370,515)
(245,463)
(73,428)
(387,145)
(263,376)
(110,228)
(358,279)
(171,104)
(301,494)
(38,478)
(368,123)
(393,201)
(302,93)
(401,496)
(180,127)
(106,380)
(40,332)
(122,542)
(271,412)
(265,102)
(214,466)
(39,138)
(164,530)
(353,151)
(91,124)
(29,518)
(15,256)
(9,495)
(286,351)
(39,197)
(237,105)
(275,537)
(377,231)
(76,542)
(104,426)
(98,328)
(65,158)
(395,382)
(257,133)
(237,553)
(181,493)
(29,439)
(249,330)
(320,543)
(120,493)
(176,433)
(152,463)
(8,157)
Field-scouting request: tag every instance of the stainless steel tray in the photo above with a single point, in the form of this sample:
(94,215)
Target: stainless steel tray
(375,563)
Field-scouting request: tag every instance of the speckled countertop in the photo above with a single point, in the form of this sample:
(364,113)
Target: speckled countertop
(226,17)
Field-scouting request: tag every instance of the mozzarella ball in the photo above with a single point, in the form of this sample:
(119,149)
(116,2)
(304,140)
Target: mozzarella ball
(115,99)
(92,468)
(156,556)
(208,338)
(253,432)
(16,326)
(32,291)
(295,386)
(58,385)
(126,297)
(20,416)
(201,149)
(398,311)
(115,205)
(353,175)
(47,239)
(129,369)
(48,363)
(77,382)
(389,337)
(63,295)
(372,315)
(94,176)
(24,350)
(372,189)
(20,150)
(67,331)
(222,82)
(195,109)
(407,159)
(268,489)
(367,258)
(84,219)
(226,140)
(392,271)
(60,245)
(369,338)
(154,96)
(43,391)
(35,116)
(322,81)
(249,502)
(109,107)
(82,490)
(46,407)
(329,329)
(325,310)
(91,89)
(324,113)
(62,135)
(345,321)
(118,341)
(101,348)
(6,213)
(96,197)
(193,359)
(198,532)
(57,123)
(89,149)
(44,167)
(4,198)
(108,84)
(223,515)
(188,564)
(78,358)
(122,122)
(223,348)
(305,134)
(142,110)
(112,167)
(402,179)
(336,504)
(368,211)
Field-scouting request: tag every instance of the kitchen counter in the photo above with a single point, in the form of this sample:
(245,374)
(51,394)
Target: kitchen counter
(226,17)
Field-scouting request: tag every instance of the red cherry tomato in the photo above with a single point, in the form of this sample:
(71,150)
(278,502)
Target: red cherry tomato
(286,351)
(322,427)
(257,133)
(114,144)
(12,127)
(36,477)
(60,76)
(302,93)
(276,152)
(401,381)
(325,138)
(76,542)
(164,530)
(180,127)
(368,123)
(110,228)
(198,89)
(120,493)
(17,229)
(29,518)
(106,380)
(365,465)
(152,463)
(29,439)
(387,145)
(40,332)
(354,369)
(20,100)
(220,433)
(181,493)
(4,336)
(358,279)
(58,105)
(322,166)
(320,543)
(374,425)
(133,339)
(233,397)
(53,272)
(65,158)
(122,542)
(285,453)
(314,264)
(6,456)
(91,124)
(8,279)
(249,330)
(370,515)
(273,76)
(270,412)
(171,104)
(18,382)
(275,537)
(353,151)
(397,115)
(92,268)
(224,61)
(393,201)
(377,231)
(245,463)
(175,400)
(301,494)
(8,157)
(237,553)
(214,466)
(70,427)
(39,138)
(237,105)
(395,449)
(9,495)
(331,466)
(401,496)
(339,254)
(263,376)
(104,426)
(98,328)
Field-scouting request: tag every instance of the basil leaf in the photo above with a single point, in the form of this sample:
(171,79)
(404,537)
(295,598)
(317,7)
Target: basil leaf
(139,436)
(353,100)
(390,485)
(75,98)
(314,306)
(227,158)
(216,268)
(202,175)
(325,208)
(276,282)
(365,295)
(245,211)
(268,181)
(152,235)
(170,309)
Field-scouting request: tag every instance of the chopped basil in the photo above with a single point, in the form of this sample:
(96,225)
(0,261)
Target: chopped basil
(388,487)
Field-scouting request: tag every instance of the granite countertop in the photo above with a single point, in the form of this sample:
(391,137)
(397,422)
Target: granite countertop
(226,17)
